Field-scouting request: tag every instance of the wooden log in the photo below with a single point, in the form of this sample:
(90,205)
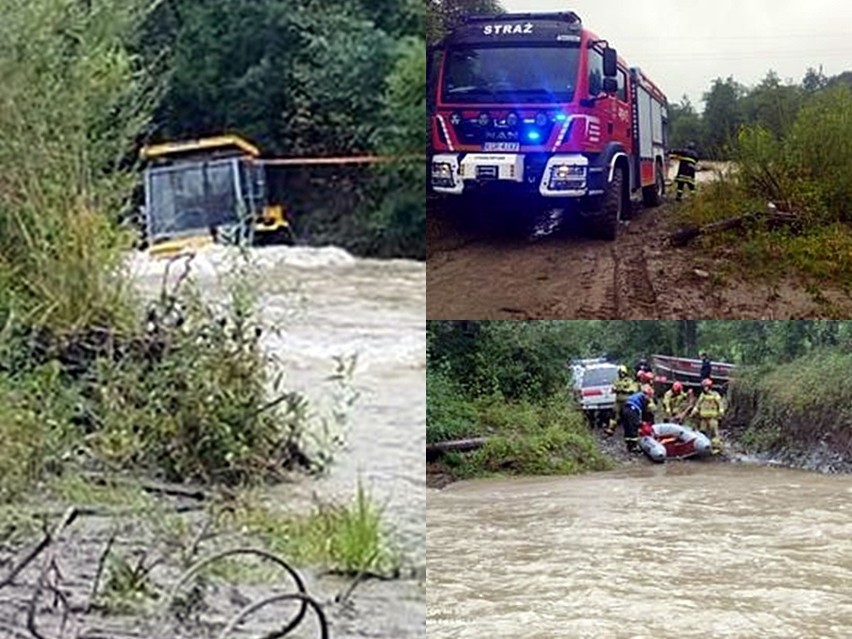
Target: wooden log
(162,488)
(685,235)
(456,446)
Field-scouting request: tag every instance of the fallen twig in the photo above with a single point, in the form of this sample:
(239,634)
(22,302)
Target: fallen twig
(174,490)
(685,235)
(67,519)
(343,597)
(99,572)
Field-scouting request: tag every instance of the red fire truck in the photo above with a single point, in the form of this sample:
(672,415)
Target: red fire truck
(535,110)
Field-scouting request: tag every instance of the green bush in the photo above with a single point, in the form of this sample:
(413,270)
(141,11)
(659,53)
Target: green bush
(448,414)
(796,405)
(82,373)
(809,173)
(534,439)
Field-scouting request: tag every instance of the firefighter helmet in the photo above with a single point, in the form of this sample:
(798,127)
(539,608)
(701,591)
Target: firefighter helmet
(622,371)
(677,387)
(706,383)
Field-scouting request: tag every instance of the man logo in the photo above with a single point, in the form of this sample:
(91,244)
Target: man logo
(507,29)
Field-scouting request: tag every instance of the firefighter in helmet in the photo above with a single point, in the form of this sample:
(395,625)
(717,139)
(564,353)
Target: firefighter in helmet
(675,403)
(647,378)
(686,169)
(623,388)
(709,408)
(635,408)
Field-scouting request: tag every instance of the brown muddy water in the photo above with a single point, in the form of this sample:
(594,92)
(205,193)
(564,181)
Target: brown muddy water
(315,304)
(675,551)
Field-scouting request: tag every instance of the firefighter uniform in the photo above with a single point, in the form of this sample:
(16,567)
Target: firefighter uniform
(675,404)
(709,408)
(623,388)
(634,408)
(686,169)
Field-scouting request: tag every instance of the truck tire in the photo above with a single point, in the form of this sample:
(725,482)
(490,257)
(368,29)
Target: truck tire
(653,195)
(612,210)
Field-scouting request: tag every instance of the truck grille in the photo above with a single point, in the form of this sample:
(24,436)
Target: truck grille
(470,131)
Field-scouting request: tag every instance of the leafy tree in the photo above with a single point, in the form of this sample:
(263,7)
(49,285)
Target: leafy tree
(814,80)
(445,14)
(401,218)
(772,105)
(685,125)
(722,114)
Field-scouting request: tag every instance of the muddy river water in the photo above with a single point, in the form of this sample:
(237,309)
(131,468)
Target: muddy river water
(682,550)
(319,303)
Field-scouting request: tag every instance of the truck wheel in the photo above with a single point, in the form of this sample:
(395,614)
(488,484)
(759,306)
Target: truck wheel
(653,195)
(613,207)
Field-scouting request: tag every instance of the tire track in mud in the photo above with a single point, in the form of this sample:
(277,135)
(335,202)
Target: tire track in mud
(477,274)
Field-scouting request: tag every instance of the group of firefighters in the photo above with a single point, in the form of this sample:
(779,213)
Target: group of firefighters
(635,405)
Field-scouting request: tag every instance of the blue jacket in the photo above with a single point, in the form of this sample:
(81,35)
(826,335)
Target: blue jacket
(639,401)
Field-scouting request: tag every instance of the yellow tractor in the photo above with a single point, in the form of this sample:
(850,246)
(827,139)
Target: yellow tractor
(206,191)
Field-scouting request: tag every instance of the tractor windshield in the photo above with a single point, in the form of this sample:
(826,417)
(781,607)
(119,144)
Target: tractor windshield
(187,198)
(510,74)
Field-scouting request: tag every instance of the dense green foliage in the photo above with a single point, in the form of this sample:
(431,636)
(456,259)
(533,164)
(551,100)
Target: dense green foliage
(794,406)
(804,167)
(445,14)
(84,376)
(471,351)
(507,380)
(771,105)
(306,78)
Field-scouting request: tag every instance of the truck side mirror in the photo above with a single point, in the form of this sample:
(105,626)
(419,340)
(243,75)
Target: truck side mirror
(610,86)
(610,62)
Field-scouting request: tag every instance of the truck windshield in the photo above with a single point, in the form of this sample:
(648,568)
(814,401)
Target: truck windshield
(510,74)
(191,197)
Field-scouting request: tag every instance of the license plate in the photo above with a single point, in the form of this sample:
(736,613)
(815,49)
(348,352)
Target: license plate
(501,146)
(486,172)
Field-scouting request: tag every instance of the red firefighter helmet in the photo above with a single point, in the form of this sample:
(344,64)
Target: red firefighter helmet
(706,383)
(677,387)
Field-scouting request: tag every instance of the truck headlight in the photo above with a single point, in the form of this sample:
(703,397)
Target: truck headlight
(567,177)
(442,174)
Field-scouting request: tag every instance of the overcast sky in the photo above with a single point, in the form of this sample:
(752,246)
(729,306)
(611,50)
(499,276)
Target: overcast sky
(682,46)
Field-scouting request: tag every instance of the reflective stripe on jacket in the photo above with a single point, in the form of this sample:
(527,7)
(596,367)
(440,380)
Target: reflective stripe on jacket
(709,405)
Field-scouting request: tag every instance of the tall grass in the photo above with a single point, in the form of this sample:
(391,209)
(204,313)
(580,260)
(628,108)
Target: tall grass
(80,369)
(539,436)
(796,405)
(73,101)
(347,537)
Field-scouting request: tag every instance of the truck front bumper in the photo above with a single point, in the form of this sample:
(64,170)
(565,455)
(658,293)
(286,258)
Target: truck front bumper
(550,176)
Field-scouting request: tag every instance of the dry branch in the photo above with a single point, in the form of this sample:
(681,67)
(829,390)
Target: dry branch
(457,445)
(685,235)
(67,519)
(161,488)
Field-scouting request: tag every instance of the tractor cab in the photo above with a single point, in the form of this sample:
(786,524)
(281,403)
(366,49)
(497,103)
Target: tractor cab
(208,191)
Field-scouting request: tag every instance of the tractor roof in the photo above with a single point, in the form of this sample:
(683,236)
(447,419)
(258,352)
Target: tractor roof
(221,146)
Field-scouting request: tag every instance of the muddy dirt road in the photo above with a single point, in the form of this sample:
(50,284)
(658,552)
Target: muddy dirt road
(554,271)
